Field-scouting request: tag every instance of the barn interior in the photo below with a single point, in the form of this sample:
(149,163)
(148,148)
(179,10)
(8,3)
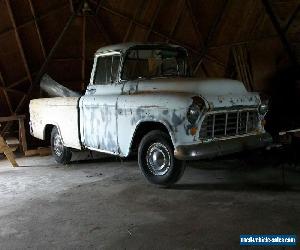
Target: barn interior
(105,202)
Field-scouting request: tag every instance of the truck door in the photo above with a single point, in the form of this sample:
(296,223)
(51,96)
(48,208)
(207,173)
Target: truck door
(98,107)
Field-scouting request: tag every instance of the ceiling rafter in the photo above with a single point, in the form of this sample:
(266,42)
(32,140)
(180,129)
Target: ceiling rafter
(16,83)
(98,6)
(19,43)
(47,60)
(83,51)
(19,107)
(215,60)
(24,59)
(137,11)
(291,19)
(36,19)
(164,36)
(211,34)
(15,91)
(154,18)
(102,30)
(98,21)
(3,88)
(195,23)
(218,46)
(71,6)
(147,27)
(276,24)
(178,16)
(37,28)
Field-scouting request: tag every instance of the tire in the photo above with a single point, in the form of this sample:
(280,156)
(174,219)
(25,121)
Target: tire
(60,153)
(156,159)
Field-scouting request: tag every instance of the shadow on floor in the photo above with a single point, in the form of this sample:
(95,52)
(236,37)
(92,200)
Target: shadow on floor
(269,187)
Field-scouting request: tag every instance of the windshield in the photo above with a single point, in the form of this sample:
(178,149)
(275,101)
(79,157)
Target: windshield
(149,63)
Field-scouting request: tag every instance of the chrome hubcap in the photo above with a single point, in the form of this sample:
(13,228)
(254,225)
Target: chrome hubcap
(158,159)
(57,145)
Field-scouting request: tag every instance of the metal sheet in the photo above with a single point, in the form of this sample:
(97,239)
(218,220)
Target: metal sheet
(54,89)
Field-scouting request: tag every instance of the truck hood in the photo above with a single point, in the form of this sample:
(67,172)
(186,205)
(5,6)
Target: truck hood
(217,93)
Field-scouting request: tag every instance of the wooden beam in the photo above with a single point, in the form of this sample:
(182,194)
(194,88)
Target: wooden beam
(154,18)
(195,22)
(102,30)
(291,19)
(24,98)
(15,91)
(22,132)
(38,18)
(53,49)
(4,148)
(137,11)
(279,30)
(67,59)
(22,135)
(178,16)
(83,51)
(2,80)
(16,83)
(47,60)
(215,60)
(211,34)
(37,28)
(71,6)
(8,101)
(11,118)
(3,88)
(18,40)
(150,27)
(146,27)
(204,70)
(98,6)
(99,24)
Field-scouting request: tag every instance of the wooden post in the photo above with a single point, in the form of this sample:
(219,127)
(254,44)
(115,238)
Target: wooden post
(22,135)
(4,148)
(22,132)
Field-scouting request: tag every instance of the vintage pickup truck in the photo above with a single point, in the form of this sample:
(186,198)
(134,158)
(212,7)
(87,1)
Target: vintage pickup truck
(141,99)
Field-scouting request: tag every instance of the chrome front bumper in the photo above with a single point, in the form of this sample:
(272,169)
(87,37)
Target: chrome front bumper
(221,147)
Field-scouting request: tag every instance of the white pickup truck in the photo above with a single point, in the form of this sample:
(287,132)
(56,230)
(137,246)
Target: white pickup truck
(141,99)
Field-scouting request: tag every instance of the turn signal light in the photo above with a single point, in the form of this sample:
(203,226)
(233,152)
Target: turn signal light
(193,131)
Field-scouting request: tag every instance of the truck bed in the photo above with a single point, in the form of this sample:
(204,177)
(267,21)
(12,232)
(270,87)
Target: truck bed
(58,111)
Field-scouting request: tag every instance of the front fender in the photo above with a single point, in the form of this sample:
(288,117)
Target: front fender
(169,109)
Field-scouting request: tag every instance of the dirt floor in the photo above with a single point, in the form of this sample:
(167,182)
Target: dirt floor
(107,204)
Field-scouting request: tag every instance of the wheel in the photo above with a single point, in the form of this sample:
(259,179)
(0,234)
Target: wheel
(60,153)
(156,159)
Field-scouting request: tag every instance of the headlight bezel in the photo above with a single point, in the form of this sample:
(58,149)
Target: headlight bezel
(193,113)
(263,109)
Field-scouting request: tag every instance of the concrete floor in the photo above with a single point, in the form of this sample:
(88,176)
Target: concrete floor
(106,204)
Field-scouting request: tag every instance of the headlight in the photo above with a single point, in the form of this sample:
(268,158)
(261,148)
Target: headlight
(263,109)
(193,113)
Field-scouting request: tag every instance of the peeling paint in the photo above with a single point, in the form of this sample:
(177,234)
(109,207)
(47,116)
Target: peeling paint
(176,120)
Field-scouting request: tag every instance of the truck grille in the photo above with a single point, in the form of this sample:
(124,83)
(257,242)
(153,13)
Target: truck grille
(228,124)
